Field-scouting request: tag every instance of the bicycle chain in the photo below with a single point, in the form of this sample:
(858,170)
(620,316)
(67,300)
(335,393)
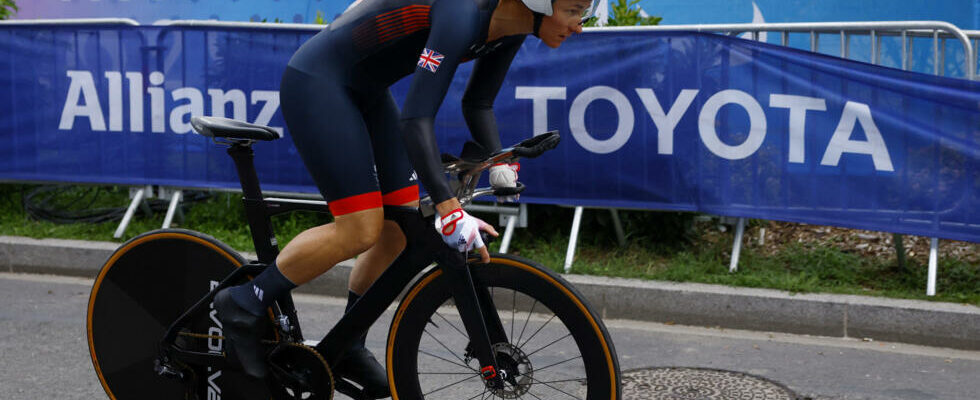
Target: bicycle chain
(311,350)
(218,337)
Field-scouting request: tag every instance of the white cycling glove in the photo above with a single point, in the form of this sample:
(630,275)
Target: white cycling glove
(505,176)
(460,230)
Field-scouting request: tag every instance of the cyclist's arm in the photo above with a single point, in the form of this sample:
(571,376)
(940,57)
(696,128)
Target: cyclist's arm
(485,82)
(454,28)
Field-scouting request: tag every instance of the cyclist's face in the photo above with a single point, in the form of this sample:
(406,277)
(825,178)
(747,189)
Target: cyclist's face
(565,21)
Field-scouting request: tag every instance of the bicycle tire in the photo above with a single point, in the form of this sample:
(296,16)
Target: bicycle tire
(416,353)
(145,285)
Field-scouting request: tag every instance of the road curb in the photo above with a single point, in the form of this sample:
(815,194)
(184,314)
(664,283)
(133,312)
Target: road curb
(907,321)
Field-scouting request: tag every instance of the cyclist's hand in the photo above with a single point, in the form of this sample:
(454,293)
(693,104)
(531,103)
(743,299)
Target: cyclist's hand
(505,176)
(461,231)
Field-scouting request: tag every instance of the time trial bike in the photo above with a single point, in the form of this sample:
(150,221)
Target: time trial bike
(510,329)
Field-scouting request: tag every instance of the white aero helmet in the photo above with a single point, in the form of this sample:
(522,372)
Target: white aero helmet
(545,7)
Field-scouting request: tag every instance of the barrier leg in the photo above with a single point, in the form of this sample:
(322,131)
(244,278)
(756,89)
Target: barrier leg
(173,209)
(148,193)
(508,233)
(137,200)
(570,254)
(898,240)
(618,225)
(933,266)
(737,246)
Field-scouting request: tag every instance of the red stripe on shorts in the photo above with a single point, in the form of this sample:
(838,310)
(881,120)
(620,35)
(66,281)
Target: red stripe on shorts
(401,196)
(355,203)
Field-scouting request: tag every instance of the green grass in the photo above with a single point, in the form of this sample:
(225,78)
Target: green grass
(660,246)
(220,215)
(799,268)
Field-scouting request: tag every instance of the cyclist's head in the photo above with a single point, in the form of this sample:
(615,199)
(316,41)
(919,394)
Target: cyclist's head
(586,8)
(556,20)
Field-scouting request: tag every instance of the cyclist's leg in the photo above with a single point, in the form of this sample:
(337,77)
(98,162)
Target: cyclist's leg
(399,187)
(369,265)
(330,135)
(327,126)
(316,250)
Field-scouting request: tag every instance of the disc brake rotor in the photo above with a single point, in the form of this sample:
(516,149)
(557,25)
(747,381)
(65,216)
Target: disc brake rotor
(517,368)
(299,372)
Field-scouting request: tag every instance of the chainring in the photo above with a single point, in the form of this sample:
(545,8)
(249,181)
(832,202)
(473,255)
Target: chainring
(298,372)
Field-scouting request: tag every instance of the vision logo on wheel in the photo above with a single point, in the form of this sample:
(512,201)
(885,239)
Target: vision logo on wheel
(215,342)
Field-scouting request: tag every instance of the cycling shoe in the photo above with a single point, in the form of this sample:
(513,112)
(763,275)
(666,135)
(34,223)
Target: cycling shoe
(243,334)
(360,367)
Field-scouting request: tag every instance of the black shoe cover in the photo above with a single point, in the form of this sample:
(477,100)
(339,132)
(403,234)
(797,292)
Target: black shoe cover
(360,367)
(243,334)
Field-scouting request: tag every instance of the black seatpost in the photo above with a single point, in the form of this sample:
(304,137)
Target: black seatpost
(263,238)
(259,223)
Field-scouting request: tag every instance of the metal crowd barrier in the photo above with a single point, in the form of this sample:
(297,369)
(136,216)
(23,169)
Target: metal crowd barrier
(940,32)
(71,21)
(233,24)
(975,37)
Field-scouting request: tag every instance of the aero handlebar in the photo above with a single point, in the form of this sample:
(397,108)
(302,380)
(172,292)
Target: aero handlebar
(466,169)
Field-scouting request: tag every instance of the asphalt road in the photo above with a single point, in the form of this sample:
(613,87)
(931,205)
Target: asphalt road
(45,351)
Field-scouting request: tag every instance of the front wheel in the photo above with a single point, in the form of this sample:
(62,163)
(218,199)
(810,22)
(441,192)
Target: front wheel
(556,347)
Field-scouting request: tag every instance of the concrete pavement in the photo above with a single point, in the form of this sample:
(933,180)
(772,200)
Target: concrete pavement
(871,318)
(43,342)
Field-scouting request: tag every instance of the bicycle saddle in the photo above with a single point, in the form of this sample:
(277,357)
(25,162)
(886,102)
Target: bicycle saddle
(217,127)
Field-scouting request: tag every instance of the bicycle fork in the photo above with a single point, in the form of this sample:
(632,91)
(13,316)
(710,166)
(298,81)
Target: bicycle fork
(424,246)
(473,302)
(478,313)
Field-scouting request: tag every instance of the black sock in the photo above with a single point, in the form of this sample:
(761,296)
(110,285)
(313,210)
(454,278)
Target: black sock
(351,299)
(261,292)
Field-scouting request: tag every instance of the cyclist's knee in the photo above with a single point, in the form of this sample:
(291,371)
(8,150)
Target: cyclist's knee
(414,204)
(362,229)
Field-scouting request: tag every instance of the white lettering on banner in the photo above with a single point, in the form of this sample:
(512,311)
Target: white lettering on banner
(135,80)
(83,101)
(539,97)
(270,101)
(220,98)
(115,100)
(666,122)
(709,114)
(576,119)
(195,106)
(81,86)
(157,112)
(841,142)
(798,106)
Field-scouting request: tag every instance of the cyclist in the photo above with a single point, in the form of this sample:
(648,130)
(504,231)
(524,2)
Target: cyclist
(360,150)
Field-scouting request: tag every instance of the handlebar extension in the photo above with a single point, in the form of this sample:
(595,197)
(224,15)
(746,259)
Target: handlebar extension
(534,147)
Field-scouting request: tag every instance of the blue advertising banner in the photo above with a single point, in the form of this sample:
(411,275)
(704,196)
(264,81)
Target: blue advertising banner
(677,121)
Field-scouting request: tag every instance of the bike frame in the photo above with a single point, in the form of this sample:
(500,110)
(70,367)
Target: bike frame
(423,247)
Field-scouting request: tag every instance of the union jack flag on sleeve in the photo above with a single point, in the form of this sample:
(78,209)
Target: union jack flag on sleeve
(430,60)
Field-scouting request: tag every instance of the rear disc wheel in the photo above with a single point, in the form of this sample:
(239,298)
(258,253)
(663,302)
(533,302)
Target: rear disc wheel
(146,285)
